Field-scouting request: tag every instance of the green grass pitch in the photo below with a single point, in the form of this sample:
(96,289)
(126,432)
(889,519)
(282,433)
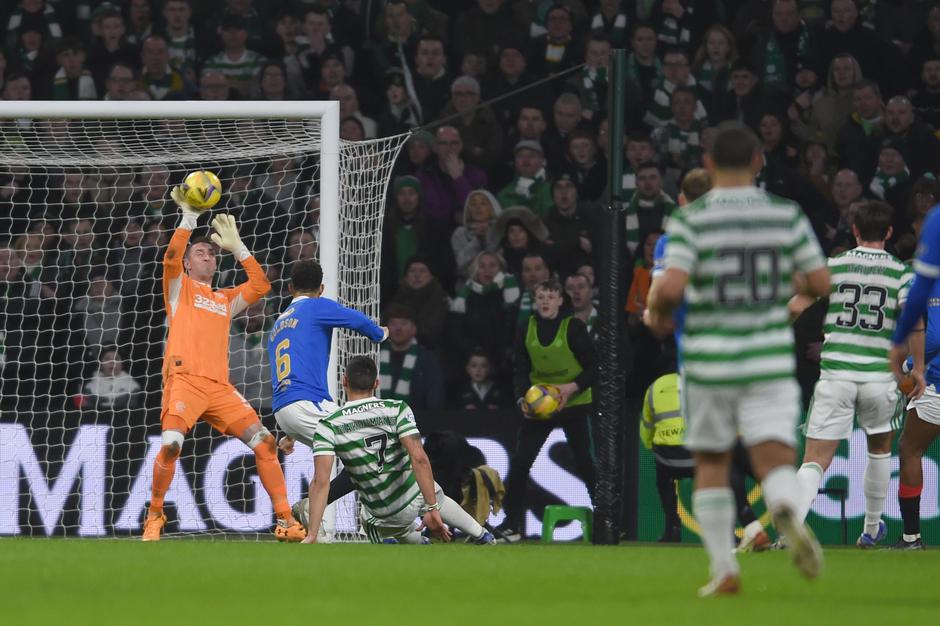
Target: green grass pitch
(177,582)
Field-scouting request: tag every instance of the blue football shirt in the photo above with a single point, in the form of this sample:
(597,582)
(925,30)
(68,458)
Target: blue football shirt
(299,347)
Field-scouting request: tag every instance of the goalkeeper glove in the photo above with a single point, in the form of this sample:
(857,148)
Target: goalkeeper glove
(226,236)
(190,215)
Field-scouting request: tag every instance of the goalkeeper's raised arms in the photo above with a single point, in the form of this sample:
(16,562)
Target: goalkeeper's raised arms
(226,236)
(190,215)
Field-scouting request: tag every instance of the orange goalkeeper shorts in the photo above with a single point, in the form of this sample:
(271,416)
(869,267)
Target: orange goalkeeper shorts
(188,398)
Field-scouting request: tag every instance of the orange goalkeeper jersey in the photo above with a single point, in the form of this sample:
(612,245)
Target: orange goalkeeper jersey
(199,318)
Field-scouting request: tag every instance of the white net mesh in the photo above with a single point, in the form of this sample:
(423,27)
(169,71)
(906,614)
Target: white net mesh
(85,217)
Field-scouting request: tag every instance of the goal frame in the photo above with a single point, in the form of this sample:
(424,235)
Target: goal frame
(327,112)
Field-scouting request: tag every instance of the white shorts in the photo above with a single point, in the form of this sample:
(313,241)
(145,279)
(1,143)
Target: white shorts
(836,403)
(717,414)
(299,419)
(403,526)
(928,406)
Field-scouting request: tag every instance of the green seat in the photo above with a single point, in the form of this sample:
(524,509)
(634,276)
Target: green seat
(559,513)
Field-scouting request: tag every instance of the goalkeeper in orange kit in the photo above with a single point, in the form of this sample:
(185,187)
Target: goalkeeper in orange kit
(195,362)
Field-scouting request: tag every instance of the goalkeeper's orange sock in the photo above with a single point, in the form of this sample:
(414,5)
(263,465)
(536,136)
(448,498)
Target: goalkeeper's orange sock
(164,467)
(272,477)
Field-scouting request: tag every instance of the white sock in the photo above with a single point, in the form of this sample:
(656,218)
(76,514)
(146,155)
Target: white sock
(877,476)
(752,529)
(454,515)
(809,478)
(781,489)
(715,511)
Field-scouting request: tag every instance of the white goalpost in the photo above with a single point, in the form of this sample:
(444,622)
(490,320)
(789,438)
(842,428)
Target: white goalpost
(85,216)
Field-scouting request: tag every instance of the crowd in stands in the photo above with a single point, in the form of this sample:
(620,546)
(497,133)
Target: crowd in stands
(486,201)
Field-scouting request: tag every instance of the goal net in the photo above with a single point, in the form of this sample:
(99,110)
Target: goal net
(85,217)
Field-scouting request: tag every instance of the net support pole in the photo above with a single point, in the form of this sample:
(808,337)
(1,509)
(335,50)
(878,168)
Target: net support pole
(610,379)
(329,221)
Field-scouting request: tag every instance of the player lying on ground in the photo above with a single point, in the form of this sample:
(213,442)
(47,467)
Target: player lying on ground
(379,444)
(299,353)
(195,362)
(869,288)
(923,424)
(732,254)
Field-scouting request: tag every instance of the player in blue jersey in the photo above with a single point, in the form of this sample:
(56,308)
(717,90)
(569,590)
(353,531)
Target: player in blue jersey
(922,426)
(299,352)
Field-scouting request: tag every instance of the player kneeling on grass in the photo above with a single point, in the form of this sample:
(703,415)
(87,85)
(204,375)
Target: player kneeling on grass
(869,287)
(380,446)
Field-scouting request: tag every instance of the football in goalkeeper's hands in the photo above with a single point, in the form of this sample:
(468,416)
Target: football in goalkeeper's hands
(202,189)
(543,401)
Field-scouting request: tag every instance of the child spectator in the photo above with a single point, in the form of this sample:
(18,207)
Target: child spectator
(110,388)
(478,391)
(72,81)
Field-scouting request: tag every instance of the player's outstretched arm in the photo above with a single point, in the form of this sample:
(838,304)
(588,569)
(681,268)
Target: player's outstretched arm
(173,257)
(339,316)
(425,479)
(226,237)
(319,491)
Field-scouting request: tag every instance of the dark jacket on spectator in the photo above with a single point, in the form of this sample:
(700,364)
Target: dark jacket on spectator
(486,34)
(468,397)
(920,147)
(857,149)
(430,306)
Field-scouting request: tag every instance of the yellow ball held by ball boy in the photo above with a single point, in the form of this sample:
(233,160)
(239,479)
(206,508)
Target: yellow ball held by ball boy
(543,401)
(202,189)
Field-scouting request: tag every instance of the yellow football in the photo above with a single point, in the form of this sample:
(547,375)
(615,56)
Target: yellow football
(542,400)
(202,189)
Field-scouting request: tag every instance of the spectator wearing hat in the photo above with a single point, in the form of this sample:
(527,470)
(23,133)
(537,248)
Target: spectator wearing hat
(405,232)
(431,82)
(447,180)
(516,233)
(110,44)
(247,14)
(570,227)
(920,146)
(892,179)
(239,64)
(180,34)
(926,99)
(482,134)
(679,141)
(528,123)
(468,240)
(512,73)
(72,80)
(558,49)
(157,77)
(421,292)
(676,73)
(529,187)
(399,114)
(486,27)
(585,166)
(825,115)
(859,139)
(650,207)
(408,370)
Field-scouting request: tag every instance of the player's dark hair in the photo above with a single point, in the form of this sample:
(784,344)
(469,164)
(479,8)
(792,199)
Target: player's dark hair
(734,146)
(306,275)
(551,284)
(195,240)
(361,373)
(873,219)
